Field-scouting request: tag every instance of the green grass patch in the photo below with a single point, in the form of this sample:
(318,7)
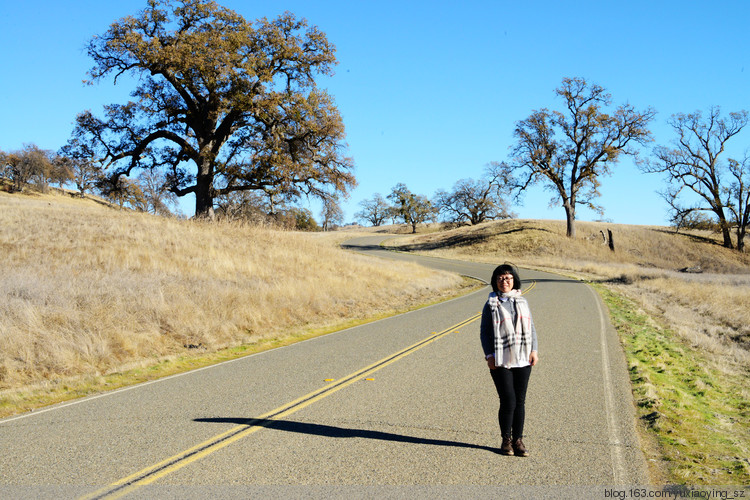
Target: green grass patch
(697,414)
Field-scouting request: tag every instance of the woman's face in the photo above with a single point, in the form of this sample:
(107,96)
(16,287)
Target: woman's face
(505,283)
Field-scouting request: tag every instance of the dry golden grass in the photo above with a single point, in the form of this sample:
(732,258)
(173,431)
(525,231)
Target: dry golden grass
(88,290)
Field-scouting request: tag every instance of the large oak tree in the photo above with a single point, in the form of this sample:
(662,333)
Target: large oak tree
(569,151)
(221,105)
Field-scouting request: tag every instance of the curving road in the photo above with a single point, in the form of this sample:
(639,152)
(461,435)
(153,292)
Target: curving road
(398,407)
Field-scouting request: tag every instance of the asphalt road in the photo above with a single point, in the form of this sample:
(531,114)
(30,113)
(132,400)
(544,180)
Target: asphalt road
(401,407)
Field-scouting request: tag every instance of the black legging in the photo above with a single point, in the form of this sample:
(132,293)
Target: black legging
(511,384)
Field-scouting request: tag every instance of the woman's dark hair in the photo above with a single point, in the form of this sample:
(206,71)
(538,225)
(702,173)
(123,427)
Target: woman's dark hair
(506,268)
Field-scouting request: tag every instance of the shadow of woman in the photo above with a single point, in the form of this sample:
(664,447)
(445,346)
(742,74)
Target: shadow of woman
(339,432)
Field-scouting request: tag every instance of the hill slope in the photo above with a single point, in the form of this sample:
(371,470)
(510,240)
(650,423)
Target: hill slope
(543,242)
(88,290)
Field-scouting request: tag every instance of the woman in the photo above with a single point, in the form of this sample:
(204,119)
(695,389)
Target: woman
(510,347)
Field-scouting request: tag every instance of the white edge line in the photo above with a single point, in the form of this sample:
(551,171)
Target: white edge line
(618,468)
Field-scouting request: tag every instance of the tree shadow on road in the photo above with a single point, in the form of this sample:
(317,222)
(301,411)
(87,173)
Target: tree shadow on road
(363,248)
(340,432)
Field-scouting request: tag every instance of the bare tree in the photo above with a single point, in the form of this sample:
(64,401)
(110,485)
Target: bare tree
(475,200)
(86,162)
(590,141)
(252,206)
(695,163)
(375,210)
(262,208)
(158,199)
(739,193)
(85,175)
(331,214)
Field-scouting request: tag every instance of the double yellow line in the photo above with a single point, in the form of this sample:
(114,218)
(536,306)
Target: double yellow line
(172,464)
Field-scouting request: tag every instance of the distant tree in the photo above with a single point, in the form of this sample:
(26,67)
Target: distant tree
(124,192)
(85,175)
(695,163)
(331,214)
(221,105)
(739,193)
(696,220)
(12,172)
(374,211)
(62,170)
(39,163)
(591,140)
(304,220)
(86,161)
(258,207)
(297,218)
(247,205)
(411,208)
(158,200)
(474,200)
(29,164)
(3,163)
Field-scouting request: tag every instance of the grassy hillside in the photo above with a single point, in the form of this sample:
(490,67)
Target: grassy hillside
(89,292)
(686,335)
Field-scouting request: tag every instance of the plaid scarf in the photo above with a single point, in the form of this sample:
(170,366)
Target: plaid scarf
(512,340)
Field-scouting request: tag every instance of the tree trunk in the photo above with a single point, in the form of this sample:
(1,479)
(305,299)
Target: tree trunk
(570,215)
(204,196)
(204,190)
(725,231)
(727,235)
(204,206)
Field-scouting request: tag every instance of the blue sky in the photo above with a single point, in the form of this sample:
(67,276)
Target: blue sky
(430,91)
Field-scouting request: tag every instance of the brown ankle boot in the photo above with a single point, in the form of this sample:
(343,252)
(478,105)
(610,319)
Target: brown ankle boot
(506,448)
(519,449)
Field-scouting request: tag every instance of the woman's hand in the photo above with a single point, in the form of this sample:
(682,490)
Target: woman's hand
(533,358)
(491,361)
